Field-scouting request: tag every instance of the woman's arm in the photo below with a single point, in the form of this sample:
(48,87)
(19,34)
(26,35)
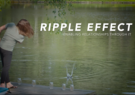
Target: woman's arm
(2,28)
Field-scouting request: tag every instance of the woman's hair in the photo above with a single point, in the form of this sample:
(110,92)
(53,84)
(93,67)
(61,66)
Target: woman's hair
(25,28)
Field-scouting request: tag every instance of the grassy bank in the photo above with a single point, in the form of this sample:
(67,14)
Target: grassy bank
(87,3)
(102,5)
(77,1)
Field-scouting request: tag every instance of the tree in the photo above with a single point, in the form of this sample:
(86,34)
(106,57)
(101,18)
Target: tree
(4,3)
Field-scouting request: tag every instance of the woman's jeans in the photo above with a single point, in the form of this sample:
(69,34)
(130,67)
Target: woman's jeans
(6,57)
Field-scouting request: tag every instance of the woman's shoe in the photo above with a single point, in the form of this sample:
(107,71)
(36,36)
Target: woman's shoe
(8,91)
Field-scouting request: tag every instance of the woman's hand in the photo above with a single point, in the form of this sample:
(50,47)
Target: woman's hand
(2,28)
(19,42)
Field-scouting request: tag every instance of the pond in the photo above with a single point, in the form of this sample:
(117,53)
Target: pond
(105,64)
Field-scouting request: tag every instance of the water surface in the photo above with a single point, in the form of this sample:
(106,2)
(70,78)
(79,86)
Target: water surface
(104,64)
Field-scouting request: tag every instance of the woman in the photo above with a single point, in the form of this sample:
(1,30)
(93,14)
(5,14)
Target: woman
(14,33)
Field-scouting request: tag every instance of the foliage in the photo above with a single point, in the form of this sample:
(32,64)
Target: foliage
(61,7)
(4,3)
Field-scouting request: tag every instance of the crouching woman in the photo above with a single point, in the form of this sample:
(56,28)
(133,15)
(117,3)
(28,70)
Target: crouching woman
(13,34)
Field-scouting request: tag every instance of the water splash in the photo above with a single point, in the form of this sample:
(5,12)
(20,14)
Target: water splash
(69,76)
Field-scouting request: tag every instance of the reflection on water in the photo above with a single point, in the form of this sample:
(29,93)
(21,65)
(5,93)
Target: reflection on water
(104,64)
